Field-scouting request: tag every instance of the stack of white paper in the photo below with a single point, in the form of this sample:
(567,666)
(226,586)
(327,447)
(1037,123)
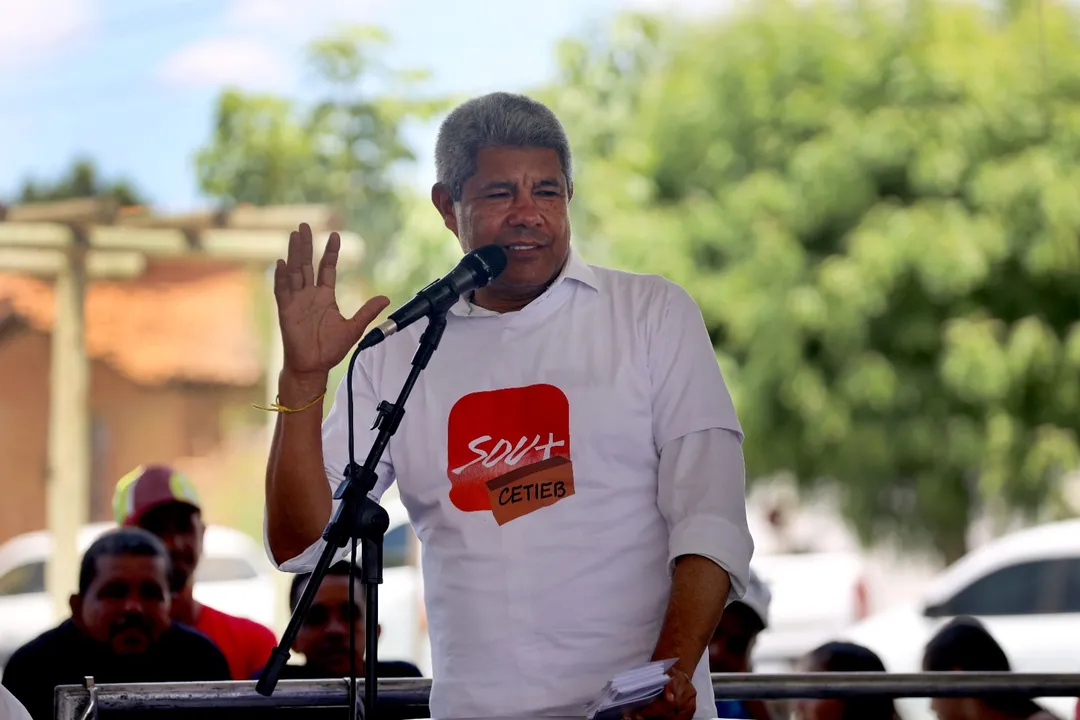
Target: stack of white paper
(630,690)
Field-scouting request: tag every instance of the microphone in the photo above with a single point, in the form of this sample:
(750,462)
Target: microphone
(476,269)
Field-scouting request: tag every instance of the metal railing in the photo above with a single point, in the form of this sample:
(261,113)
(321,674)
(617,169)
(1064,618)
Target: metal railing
(409,696)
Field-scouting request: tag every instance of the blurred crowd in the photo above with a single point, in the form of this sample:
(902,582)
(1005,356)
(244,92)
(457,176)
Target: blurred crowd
(135,619)
(961,645)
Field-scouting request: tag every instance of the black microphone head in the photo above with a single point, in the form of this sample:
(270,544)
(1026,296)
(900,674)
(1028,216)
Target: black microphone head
(486,263)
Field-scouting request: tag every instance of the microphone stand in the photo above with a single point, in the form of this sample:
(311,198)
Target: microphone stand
(358,517)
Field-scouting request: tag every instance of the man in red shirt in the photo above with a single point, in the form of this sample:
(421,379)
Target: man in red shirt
(163,501)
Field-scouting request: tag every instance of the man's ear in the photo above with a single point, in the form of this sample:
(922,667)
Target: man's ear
(75,603)
(443,201)
(570,192)
(378,630)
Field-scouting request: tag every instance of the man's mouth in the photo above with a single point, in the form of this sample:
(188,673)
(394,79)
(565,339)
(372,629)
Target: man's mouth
(521,247)
(334,645)
(130,639)
(132,624)
(131,634)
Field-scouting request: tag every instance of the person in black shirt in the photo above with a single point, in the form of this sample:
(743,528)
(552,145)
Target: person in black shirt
(965,645)
(119,631)
(324,637)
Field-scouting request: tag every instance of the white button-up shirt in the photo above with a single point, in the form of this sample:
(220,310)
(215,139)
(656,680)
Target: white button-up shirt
(554,462)
(10,707)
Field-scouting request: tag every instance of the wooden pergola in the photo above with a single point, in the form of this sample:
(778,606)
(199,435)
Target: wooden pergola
(75,242)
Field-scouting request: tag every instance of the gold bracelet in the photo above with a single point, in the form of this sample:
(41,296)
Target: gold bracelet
(279,408)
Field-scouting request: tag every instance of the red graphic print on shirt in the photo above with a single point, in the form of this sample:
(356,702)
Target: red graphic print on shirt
(508,451)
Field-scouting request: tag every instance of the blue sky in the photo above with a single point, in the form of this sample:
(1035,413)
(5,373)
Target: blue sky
(131,83)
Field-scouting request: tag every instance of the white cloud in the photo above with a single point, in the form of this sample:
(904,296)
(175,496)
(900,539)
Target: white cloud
(247,63)
(299,17)
(265,36)
(31,30)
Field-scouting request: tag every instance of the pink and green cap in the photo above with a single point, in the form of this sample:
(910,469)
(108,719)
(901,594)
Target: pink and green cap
(150,486)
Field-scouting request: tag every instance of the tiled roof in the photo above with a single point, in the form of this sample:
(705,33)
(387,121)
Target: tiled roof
(179,322)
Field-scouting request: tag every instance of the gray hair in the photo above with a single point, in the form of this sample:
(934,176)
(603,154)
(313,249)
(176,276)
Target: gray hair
(497,119)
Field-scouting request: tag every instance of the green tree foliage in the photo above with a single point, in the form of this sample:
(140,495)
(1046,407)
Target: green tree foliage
(81,180)
(878,208)
(341,150)
(425,249)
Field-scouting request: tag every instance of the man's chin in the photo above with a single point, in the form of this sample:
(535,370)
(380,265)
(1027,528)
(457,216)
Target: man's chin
(336,664)
(523,280)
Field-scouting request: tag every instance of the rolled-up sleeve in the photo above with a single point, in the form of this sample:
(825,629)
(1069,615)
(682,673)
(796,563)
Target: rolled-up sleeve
(701,494)
(701,489)
(335,448)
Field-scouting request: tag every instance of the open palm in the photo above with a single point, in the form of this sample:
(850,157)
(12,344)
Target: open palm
(315,335)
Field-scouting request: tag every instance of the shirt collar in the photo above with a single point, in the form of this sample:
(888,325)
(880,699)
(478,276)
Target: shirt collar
(576,269)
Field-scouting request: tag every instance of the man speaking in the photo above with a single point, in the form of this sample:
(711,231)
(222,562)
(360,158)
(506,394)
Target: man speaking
(570,459)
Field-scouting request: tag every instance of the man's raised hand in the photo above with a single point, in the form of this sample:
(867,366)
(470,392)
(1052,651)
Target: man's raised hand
(315,336)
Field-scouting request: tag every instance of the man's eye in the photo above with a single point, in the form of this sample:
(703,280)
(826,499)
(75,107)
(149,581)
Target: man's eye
(317,616)
(113,592)
(151,591)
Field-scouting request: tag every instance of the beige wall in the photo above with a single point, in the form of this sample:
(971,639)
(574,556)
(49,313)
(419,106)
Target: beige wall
(132,424)
(24,409)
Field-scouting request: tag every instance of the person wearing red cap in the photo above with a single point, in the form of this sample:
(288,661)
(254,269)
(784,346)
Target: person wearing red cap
(163,501)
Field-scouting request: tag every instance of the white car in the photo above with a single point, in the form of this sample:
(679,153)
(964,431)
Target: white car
(815,596)
(1025,587)
(234,576)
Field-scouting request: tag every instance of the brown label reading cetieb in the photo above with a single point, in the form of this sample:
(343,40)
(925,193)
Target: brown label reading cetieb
(529,488)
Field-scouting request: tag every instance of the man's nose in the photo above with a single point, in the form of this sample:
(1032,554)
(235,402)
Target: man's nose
(524,212)
(133,603)
(175,541)
(337,626)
